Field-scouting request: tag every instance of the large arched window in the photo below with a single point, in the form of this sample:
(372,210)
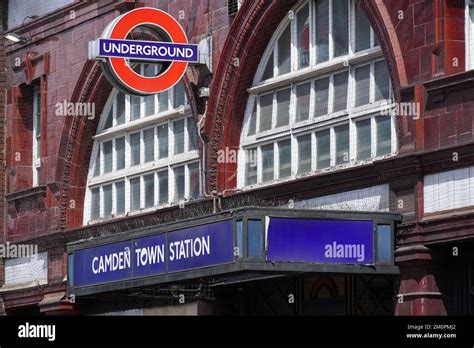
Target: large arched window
(145,154)
(319,97)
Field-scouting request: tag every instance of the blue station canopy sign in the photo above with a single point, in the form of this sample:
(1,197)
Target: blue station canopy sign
(320,241)
(180,250)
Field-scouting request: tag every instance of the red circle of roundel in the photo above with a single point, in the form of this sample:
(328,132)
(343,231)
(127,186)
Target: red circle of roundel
(127,76)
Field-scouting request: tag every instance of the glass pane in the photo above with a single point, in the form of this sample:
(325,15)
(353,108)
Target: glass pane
(163,141)
(342,144)
(340,91)
(384,243)
(255,238)
(163,104)
(110,119)
(322,96)
(266,105)
(179,99)
(251,167)
(283,107)
(240,238)
(362,88)
(135,149)
(107,191)
(304,154)
(149,142)
(178,184)
(108,163)
(149,181)
(134,108)
(193,180)
(253,120)
(120,153)
(95,203)
(362,30)
(267,162)
(135,194)
(284,51)
(323,149)
(284,149)
(178,129)
(363,139)
(384,135)
(303,93)
(120,198)
(97,164)
(120,100)
(268,72)
(303,37)
(192,134)
(322,31)
(382,81)
(340,27)
(163,187)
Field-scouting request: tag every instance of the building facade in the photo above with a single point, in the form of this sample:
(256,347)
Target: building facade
(302,110)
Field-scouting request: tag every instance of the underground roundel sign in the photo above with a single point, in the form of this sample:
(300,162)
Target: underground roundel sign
(116,52)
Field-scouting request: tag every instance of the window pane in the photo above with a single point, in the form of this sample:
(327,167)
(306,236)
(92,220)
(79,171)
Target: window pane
(150,99)
(120,100)
(179,95)
(108,163)
(120,198)
(384,135)
(340,91)
(110,119)
(178,129)
(163,141)
(134,108)
(95,203)
(120,153)
(149,181)
(363,139)
(304,154)
(284,149)
(322,31)
(193,180)
(163,101)
(322,96)
(362,30)
(283,107)
(163,187)
(323,149)
(268,72)
(97,164)
(266,105)
(284,51)
(303,37)
(362,88)
(253,120)
(303,93)
(107,191)
(342,144)
(192,134)
(382,81)
(149,141)
(255,239)
(135,194)
(178,184)
(340,27)
(240,237)
(384,243)
(267,162)
(251,167)
(135,149)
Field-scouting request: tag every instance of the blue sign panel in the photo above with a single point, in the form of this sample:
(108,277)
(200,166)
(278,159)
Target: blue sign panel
(320,241)
(190,248)
(148,50)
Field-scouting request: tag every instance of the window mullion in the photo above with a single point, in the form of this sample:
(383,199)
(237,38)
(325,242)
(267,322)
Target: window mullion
(373,136)
(372,83)
(393,129)
(259,165)
(187,191)
(314,151)
(276,160)
(332,140)
(294,155)
(352,28)
(331,95)
(293,43)
(352,140)
(312,34)
(331,42)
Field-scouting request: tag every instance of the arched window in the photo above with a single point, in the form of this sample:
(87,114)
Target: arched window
(145,154)
(319,99)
